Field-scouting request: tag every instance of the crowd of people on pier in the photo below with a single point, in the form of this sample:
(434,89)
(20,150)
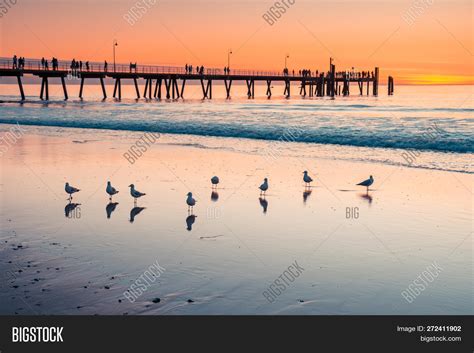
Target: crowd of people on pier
(78,66)
(339,74)
(18,63)
(188,69)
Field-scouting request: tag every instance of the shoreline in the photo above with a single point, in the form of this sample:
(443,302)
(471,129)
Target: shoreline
(240,145)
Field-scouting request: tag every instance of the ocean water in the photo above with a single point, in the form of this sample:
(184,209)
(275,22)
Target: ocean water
(425,127)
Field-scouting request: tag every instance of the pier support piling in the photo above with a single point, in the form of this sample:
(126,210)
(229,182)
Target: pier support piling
(145,91)
(390,85)
(168,86)
(183,84)
(269,89)
(227,87)
(20,86)
(286,93)
(157,92)
(250,88)
(44,95)
(64,88)
(376,82)
(103,87)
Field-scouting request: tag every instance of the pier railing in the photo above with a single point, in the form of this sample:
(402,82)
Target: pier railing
(99,67)
(39,65)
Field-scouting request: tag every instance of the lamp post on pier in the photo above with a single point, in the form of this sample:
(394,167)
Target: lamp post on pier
(115,44)
(229,53)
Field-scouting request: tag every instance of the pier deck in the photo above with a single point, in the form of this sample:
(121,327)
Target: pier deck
(169,81)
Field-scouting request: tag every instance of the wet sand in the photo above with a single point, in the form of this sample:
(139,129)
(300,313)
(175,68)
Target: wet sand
(358,251)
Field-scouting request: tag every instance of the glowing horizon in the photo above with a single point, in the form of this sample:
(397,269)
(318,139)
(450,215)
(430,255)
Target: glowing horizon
(431,44)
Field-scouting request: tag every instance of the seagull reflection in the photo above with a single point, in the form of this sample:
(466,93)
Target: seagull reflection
(134,212)
(70,210)
(214,196)
(263,203)
(110,208)
(190,221)
(368,197)
(306,194)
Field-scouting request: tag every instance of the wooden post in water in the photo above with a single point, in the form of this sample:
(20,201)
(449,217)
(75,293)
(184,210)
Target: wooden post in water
(64,88)
(376,82)
(333,80)
(103,87)
(182,88)
(20,85)
(158,89)
(390,85)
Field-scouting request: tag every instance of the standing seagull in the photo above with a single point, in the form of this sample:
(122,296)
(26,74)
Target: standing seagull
(111,190)
(307,179)
(214,181)
(264,187)
(190,201)
(135,193)
(70,190)
(367,182)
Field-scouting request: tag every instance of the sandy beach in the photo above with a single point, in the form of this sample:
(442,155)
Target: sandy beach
(357,252)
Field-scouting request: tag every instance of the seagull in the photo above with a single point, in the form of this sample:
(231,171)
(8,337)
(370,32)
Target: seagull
(307,179)
(111,190)
(367,182)
(190,201)
(70,190)
(214,181)
(135,193)
(264,187)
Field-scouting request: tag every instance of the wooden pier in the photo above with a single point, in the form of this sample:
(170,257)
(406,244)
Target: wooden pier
(167,82)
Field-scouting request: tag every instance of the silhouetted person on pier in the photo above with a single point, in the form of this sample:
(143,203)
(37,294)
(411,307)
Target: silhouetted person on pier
(46,65)
(186,68)
(190,69)
(42,63)
(15,62)
(106,65)
(87,65)
(201,71)
(21,63)
(80,65)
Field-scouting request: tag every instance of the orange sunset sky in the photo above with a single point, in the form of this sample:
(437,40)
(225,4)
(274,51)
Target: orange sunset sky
(435,46)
